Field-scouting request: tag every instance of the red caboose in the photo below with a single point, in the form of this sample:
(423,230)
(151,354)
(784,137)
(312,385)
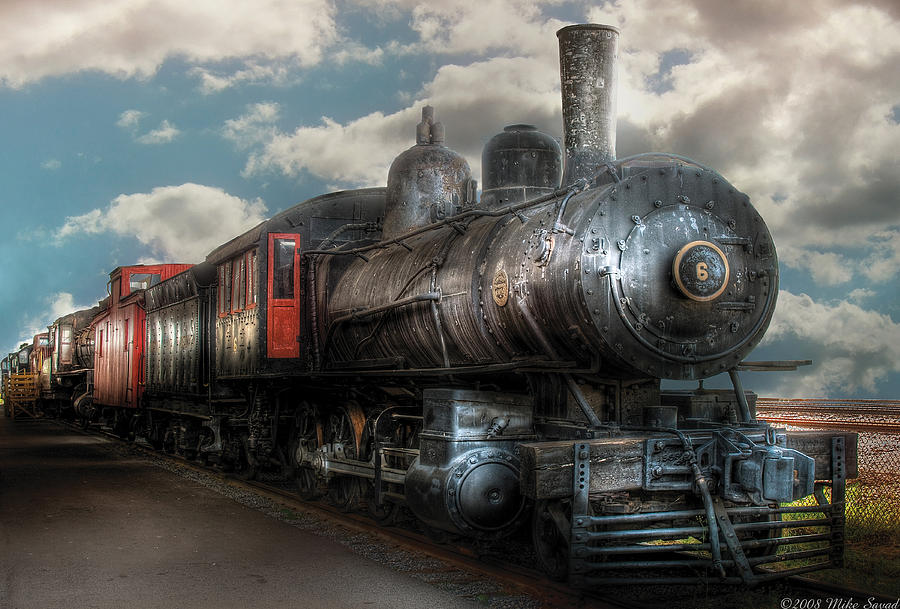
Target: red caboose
(119,331)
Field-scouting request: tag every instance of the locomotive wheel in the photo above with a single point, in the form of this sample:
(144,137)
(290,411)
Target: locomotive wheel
(121,424)
(244,469)
(345,426)
(134,426)
(388,512)
(307,438)
(343,430)
(344,492)
(550,546)
(384,515)
(168,442)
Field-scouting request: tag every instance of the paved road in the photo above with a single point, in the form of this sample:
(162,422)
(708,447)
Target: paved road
(83,527)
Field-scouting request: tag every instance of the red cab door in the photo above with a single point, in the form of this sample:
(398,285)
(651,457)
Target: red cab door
(283,298)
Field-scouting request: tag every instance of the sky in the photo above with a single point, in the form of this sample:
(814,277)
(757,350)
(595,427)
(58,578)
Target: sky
(154,130)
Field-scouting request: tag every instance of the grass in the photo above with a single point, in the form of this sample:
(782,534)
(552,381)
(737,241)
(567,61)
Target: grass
(290,514)
(872,537)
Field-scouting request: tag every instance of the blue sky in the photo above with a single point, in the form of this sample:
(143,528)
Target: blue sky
(139,131)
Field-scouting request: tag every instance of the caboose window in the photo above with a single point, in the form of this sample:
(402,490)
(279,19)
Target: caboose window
(283,279)
(142,281)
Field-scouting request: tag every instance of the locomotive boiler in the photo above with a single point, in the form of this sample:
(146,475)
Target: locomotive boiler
(488,363)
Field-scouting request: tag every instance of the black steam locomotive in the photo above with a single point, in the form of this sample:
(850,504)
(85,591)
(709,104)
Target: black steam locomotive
(488,364)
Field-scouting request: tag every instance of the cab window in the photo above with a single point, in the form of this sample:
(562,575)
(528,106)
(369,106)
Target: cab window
(283,269)
(65,344)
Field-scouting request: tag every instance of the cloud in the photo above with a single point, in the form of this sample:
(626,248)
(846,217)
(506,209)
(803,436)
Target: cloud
(455,27)
(53,307)
(178,223)
(165,133)
(91,223)
(254,127)
(472,101)
(51,164)
(350,51)
(883,264)
(254,73)
(132,38)
(853,349)
(130,119)
(771,98)
(825,268)
(860,295)
(862,254)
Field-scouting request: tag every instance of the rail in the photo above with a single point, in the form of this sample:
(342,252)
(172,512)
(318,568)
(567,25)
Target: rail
(829,406)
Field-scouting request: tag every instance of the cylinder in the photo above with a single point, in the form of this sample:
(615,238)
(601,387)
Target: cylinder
(519,164)
(587,63)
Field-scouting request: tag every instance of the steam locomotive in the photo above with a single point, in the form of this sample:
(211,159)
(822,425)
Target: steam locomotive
(493,364)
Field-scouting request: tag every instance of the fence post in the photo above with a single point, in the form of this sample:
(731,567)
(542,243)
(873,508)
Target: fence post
(838,500)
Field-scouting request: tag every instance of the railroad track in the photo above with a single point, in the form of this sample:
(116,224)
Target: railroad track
(889,427)
(512,578)
(887,408)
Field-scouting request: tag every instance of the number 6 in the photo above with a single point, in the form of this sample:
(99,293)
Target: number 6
(702,272)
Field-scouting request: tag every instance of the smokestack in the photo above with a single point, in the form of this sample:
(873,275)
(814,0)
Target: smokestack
(587,64)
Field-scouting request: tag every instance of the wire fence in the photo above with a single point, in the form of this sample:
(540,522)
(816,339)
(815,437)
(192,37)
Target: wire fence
(873,500)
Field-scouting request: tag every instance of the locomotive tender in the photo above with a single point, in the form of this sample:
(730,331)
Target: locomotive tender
(491,363)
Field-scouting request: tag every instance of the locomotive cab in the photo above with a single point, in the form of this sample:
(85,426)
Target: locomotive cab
(263,299)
